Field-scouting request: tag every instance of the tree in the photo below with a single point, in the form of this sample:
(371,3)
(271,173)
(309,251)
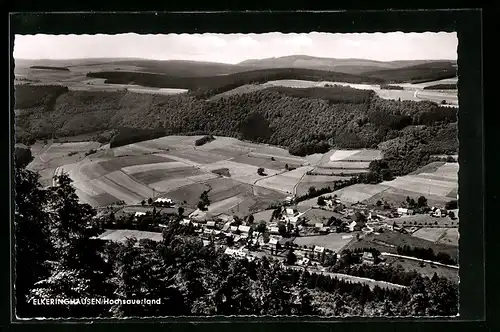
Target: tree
(312,191)
(150,201)
(321,201)
(452,215)
(282,230)
(286,167)
(451,205)
(261,228)
(143,202)
(22,156)
(291,258)
(180,211)
(79,269)
(379,203)
(32,243)
(260,171)
(422,201)
(250,219)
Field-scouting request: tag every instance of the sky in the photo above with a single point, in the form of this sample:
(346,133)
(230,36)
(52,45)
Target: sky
(234,48)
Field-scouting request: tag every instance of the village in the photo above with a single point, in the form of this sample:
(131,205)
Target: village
(311,237)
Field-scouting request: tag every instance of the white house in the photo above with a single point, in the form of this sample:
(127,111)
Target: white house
(290,212)
(244,229)
(402,211)
(139,214)
(351,226)
(164,200)
(318,225)
(273,241)
(234,228)
(274,230)
(211,224)
(319,249)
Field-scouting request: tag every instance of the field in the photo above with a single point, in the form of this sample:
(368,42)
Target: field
(448,236)
(425,269)
(314,216)
(438,182)
(121,235)
(173,167)
(389,241)
(332,241)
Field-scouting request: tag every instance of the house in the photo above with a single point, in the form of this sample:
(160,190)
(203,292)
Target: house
(318,225)
(206,243)
(440,213)
(211,224)
(274,230)
(352,226)
(164,201)
(207,231)
(303,261)
(237,238)
(368,258)
(184,222)
(291,212)
(273,241)
(289,199)
(402,211)
(234,228)
(319,249)
(139,214)
(244,229)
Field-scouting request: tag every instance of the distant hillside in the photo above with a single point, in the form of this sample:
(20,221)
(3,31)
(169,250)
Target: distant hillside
(351,66)
(304,120)
(426,72)
(207,86)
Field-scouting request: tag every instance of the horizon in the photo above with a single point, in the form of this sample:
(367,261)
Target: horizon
(236,48)
(215,62)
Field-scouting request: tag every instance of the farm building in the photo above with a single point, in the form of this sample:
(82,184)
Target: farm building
(405,212)
(318,225)
(210,223)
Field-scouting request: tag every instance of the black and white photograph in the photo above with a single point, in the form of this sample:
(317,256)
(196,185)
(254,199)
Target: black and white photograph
(236,174)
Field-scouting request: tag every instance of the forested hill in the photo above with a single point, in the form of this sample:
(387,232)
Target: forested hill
(206,86)
(304,120)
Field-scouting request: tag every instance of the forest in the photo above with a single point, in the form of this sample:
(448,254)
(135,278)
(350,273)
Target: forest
(441,87)
(407,132)
(50,68)
(207,86)
(426,72)
(58,255)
